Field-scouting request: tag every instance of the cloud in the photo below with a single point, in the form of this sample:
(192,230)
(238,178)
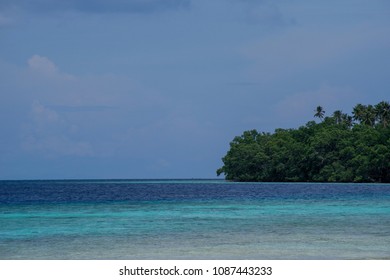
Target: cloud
(41,114)
(81,116)
(43,68)
(95,6)
(42,64)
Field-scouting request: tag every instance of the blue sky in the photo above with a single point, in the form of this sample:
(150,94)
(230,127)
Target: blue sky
(158,88)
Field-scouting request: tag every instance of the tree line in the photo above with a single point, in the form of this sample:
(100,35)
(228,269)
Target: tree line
(339,148)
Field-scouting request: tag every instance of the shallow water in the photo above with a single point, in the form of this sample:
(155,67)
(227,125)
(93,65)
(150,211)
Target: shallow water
(193,219)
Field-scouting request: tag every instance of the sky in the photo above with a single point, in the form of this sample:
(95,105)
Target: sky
(105,89)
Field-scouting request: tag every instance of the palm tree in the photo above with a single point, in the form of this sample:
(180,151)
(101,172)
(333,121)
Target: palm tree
(382,111)
(319,112)
(369,116)
(338,116)
(358,112)
(347,120)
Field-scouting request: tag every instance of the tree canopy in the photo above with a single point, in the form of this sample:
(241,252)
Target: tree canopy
(340,148)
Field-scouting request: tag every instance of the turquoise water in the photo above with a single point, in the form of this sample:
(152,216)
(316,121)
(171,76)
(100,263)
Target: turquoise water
(193,220)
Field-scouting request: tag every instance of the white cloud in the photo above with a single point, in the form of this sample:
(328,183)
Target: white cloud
(42,64)
(81,115)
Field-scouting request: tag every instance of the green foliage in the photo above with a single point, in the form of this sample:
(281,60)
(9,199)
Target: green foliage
(334,150)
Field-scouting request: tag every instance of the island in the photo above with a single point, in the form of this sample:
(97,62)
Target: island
(338,148)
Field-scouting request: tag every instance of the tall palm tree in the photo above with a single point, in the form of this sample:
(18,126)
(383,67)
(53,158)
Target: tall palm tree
(382,111)
(365,114)
(347,120)
(338,116)
(358,112)
(319,112)
(369,116)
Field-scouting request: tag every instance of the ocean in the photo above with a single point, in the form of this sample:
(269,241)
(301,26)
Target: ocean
(193,219)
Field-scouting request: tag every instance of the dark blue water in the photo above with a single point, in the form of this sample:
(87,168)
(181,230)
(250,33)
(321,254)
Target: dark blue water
(193,219)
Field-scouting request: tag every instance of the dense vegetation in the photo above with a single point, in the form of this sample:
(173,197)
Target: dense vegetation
(340,148)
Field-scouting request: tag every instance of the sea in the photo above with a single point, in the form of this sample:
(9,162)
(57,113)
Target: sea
(192,220)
